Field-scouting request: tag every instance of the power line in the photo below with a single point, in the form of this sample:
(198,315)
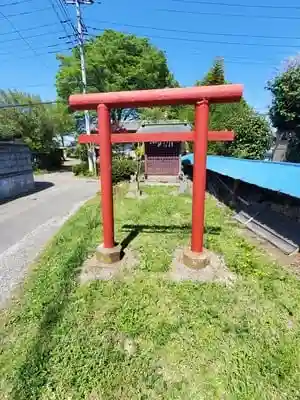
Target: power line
(58,51)
(26,105)
(67,17)
(28,12)
(264,6)
(209,41)
(50,85)
(196,32)
(31,37)
(49,46)
(15,3)
(29,29)
(81,29)
(279,17)
(59,19)
(19,34)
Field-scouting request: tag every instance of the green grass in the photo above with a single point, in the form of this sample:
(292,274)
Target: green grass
(146,338)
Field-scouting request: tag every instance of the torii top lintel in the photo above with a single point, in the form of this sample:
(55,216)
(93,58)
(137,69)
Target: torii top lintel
(157,97)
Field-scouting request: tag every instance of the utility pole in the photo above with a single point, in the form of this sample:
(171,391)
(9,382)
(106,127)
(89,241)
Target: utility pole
(80,34)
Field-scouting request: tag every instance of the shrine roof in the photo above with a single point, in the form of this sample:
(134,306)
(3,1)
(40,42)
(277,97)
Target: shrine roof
(164,127)
(280,177)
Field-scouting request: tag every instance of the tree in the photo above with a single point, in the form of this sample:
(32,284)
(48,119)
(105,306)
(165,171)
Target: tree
(26,117)
(285,90)
(115,61)
(63,121)
(157,114)
(285,109)
(29,120)
(216,74)
(252,131)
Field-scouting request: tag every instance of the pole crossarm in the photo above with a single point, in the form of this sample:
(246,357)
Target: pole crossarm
(213,136)
(157,97)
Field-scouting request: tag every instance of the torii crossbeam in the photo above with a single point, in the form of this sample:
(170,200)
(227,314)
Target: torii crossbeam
(201,96)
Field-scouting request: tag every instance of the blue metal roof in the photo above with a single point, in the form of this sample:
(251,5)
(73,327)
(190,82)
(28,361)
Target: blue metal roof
(278,176)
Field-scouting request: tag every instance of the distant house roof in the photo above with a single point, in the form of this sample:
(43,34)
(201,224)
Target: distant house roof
(164,126)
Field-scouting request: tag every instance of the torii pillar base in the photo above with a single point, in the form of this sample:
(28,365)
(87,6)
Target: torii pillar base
(194,260)
(108,255)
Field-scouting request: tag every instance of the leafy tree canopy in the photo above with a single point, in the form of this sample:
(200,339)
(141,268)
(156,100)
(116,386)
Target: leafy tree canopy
(216,74)
(37,124)
(252,131)
(285,90)
(115,61)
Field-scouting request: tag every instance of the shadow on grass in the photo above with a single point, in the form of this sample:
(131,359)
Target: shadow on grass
(32,374)
(135,230)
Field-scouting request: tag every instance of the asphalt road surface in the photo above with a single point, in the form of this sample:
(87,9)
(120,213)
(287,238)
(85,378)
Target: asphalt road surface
(27,223)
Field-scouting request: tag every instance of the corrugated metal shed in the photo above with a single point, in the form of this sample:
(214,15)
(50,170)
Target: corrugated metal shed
(278,176)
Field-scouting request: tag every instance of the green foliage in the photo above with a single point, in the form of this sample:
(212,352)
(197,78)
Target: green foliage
(285,109)
(157,114)
(36,124)
(122,169)
(252,131)
(32,123)
(50,160)
(81,169)
(115,61)
(81,152)
(215,76)
(63,122)
(293,150)
(70,152)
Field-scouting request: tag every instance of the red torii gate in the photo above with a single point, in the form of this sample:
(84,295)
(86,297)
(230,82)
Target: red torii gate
(201,96)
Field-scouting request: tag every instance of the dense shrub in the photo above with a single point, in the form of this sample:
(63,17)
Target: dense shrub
(81,152)
(70,152)
(81,169)
(51,160)
(122,169)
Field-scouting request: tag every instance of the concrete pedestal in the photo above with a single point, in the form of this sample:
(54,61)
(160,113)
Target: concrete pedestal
(108,256)
(195,260)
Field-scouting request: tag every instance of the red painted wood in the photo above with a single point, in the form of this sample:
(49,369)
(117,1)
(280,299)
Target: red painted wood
(202,96)
(106,176)
(157,97)
(220,136)
(152,137)
(213,136)
(84,138)
(199,175)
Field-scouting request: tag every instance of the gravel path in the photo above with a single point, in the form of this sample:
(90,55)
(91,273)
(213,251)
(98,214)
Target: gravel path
(27,223)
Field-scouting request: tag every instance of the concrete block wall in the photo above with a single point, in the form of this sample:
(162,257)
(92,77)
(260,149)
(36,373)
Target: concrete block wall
(16,174)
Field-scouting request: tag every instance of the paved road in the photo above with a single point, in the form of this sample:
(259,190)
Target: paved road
(27,223)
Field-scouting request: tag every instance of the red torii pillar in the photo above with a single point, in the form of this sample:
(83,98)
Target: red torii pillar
(201,96)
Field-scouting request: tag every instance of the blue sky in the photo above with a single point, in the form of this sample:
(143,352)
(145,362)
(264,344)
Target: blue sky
(243,35)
